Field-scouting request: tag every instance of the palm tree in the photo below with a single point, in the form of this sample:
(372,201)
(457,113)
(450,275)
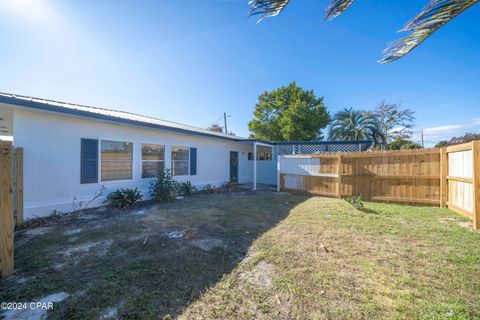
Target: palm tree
(354,125)
(434,16)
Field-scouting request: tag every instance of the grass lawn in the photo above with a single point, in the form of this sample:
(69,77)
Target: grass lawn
(253,256)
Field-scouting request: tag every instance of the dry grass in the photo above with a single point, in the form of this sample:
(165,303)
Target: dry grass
(328,260)
(261,256)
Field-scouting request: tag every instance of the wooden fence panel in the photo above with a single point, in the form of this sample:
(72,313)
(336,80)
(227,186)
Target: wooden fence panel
(397,176)
(6,208)
(462,175)
(476,184)
(446,177)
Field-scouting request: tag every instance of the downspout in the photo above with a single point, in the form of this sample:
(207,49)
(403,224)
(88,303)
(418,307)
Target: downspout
(278,168)
(254,166)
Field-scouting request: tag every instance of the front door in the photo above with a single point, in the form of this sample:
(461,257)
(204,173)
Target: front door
(234,166)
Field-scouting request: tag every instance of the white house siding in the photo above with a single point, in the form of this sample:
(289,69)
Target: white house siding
(51,145)
(266,171)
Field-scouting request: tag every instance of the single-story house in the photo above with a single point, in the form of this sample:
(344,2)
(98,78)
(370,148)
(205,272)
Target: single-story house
(72,153)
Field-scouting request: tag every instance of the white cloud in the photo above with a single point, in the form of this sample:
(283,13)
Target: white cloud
(445,132)
(34,12)
(442,129)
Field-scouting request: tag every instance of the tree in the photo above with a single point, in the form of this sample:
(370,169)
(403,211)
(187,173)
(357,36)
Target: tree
(441,143)
(215,128)
(403,144)
(354,125)
(467,137)
(434,16)
(395,122)
(289,113)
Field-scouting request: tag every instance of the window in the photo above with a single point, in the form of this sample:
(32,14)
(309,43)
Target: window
(116,160)
(89,161)
(153,159)
(180,161)
(262,154)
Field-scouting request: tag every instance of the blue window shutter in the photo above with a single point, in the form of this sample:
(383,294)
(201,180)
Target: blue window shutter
(89,161)
(193,161)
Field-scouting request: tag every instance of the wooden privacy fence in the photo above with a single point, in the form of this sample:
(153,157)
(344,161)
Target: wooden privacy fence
(11,201)
(444,177)
(462,180)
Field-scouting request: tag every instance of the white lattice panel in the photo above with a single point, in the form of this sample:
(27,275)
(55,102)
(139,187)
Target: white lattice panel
(286,149)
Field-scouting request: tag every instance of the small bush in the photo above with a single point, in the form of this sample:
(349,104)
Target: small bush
(124,198)
(186,189)
(230,186)
(209,188)
(355,201)
(163,187)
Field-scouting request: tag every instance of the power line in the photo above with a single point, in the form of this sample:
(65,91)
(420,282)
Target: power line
(214,122)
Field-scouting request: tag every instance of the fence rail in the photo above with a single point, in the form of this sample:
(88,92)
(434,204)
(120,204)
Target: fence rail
(445,177)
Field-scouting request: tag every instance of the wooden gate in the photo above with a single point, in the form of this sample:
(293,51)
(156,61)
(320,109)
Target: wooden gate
(11,201)
(462,183)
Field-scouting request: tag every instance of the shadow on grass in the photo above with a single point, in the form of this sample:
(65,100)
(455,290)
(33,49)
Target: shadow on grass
(367,210)
(132,269)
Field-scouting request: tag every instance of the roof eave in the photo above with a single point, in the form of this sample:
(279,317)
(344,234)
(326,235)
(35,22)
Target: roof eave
(56,109)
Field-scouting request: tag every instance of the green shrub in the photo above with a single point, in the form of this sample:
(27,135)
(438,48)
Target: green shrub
(355,201)
(186,189)
(230,185)
(403,144)
(123,198)
(163,187)
(209,188)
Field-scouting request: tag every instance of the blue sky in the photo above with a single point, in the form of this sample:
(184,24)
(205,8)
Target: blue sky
(190,60)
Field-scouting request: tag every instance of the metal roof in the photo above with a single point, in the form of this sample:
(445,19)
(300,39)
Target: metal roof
(109,115)
(129,118)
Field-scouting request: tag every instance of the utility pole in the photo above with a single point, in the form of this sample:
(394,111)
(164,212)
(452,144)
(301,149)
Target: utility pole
(423,144)
(225,120)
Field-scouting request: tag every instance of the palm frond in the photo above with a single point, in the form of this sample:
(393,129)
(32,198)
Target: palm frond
(336,8)
(435,15)
(266,8)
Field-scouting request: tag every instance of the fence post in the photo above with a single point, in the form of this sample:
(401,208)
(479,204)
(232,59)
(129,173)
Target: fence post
(476,183)
(19,180)
(339,176)
(6,208)
(443,176)
(278,173)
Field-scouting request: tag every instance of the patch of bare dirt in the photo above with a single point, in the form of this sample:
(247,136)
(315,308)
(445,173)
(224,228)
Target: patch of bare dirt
(207,244)
(446,219)
(465,224)
(37,231)
(100,246)
(70,232)
(260,275)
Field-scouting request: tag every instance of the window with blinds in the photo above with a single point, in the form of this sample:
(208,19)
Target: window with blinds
(180,161)
(116,160)
(153,159)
